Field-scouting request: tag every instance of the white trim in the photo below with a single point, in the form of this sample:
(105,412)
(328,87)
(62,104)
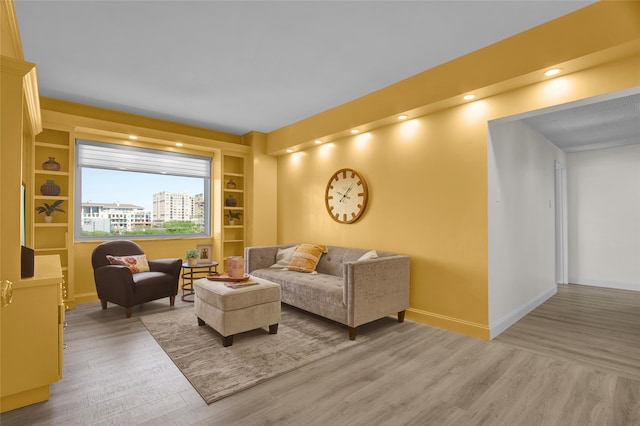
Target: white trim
(519,313)
(606,284)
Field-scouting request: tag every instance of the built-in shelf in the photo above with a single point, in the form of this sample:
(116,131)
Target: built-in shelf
(51,145)
(53,238)
(51,249)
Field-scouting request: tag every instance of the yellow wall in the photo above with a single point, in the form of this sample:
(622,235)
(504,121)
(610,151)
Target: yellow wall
(428,176)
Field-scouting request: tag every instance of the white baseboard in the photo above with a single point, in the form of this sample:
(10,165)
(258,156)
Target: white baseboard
(515,316)
(607,284)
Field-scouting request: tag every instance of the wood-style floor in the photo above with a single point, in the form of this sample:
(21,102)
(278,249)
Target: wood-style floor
(543,371)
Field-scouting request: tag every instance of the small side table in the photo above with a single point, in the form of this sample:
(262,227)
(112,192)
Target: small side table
(192,273)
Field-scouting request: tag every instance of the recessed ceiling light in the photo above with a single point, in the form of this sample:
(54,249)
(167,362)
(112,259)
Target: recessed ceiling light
(354,131)
(403,117)
(133,137)
(553,71)
(318,141)
(178,143)
(289,150)
(469,97)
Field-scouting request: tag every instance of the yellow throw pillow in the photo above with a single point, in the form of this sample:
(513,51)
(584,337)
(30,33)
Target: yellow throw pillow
(137,263)
(306,257)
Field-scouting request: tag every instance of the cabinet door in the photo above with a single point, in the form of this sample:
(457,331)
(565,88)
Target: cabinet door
(30,338)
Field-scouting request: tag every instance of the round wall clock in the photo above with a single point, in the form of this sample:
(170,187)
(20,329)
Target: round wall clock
(346,196)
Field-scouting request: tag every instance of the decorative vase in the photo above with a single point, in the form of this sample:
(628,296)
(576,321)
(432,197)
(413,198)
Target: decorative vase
(51,164)
(230,201)
(50,188)
(232,221)
(48,219)
(192,261)
(231,184)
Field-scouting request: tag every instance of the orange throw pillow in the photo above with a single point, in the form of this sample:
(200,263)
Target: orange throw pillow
(306,257)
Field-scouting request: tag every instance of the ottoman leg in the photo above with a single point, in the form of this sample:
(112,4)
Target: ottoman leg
(200,322)
(273,329)
(227,340)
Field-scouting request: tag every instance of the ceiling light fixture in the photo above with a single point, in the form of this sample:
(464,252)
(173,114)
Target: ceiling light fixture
(178,143)
(554,71)
(403,117)
(318,141)
(469,97)
(355,131)
(133,137)
(289,151)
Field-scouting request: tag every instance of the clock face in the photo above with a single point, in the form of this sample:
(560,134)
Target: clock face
(346,196)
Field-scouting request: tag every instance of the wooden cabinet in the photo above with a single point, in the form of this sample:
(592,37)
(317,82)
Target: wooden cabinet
(32,336)
(55,238)
(233,202)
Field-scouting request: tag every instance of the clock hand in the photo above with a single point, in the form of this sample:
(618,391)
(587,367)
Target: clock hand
(347,193)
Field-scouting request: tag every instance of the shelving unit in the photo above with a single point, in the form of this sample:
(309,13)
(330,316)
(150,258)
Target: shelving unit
(54,238)
(233,235)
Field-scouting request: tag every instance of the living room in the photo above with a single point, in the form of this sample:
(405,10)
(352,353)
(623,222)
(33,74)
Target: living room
(428,173)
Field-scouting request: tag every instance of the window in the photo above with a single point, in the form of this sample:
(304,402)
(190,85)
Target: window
(124,191)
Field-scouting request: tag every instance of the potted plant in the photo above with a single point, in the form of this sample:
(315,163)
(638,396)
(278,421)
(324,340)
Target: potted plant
(232,216)
(192,257)
(50,209)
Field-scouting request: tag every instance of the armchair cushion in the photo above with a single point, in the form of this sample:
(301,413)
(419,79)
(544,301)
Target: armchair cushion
(136,263)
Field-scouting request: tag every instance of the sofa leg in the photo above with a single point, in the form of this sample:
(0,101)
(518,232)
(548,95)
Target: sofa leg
(353,331)
(227,340)
(200,322)
(129,311)
(401,316)
(103,303)
(172,300)
(273,329)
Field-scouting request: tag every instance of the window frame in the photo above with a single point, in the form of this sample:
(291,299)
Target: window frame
(78,203)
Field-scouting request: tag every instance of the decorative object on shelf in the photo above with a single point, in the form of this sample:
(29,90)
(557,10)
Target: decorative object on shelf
(51,164)
(346,196)
(232,216)
(50,209)
(231,184)
(50,188)
(230,201)
(192,257)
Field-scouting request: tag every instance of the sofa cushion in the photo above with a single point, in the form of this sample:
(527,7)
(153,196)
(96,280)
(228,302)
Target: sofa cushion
(136,263)
(283,257)
(320,294)
(306,257)
(369,255)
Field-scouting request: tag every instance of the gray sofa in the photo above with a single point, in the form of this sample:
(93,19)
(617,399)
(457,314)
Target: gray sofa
(344,289)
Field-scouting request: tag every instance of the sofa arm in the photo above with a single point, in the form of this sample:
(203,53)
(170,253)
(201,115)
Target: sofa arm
(261,257)
(376,288)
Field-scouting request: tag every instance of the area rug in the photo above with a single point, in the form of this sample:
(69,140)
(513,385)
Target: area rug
(255,356)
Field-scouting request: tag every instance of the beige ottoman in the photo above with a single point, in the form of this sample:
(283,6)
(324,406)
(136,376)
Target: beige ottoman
(231,311)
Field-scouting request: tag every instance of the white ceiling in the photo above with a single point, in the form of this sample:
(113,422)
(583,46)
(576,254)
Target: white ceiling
(253,65)
(591,125)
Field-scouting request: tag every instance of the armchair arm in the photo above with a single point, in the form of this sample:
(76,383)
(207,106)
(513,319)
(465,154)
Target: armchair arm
(375,288)
(114,283)
(168,266)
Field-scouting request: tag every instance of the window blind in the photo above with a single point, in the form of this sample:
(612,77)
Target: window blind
(133,159)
